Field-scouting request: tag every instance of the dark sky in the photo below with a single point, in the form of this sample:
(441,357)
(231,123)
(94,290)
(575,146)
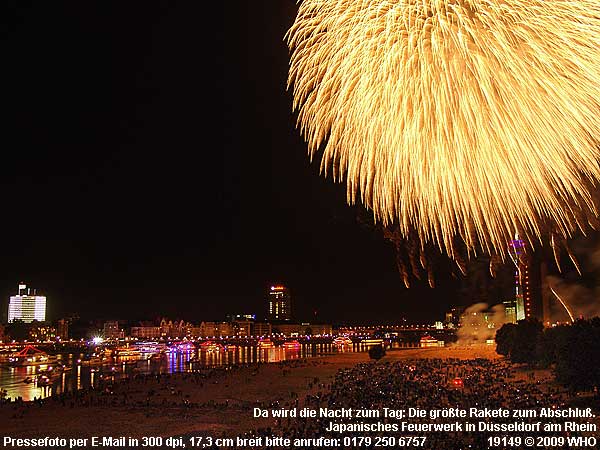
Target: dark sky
(151,166)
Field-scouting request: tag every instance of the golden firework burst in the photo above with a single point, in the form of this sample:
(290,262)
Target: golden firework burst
(475,119)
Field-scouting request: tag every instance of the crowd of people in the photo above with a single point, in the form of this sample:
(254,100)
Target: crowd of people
(425,384)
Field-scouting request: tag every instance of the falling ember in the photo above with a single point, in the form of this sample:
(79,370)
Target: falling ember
(564,304)
(475,119)
(555,252)
(573,259)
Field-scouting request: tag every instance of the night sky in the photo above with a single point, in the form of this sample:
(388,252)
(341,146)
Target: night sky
(151,167)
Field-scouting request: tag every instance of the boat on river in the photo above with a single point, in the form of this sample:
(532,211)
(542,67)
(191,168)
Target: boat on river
(43,380)
(151,347)
(30,356)
(342,341)
(211,347)
(265,343)
(126,351)
(292,345)
(428,341)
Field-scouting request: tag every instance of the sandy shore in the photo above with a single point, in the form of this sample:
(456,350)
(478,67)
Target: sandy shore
(185,404)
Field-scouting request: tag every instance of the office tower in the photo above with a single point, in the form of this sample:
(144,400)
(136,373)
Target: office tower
(279,303)
(27,306)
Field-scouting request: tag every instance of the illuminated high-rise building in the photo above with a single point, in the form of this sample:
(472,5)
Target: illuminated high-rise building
(279,303)
(27,307)
(523,304)
(510,311)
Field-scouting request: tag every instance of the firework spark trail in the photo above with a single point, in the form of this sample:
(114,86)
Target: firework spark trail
(563,304)
(468,118)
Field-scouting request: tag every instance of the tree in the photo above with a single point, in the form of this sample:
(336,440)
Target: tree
(578,355)
(505,339)
(547,349)
(520,342)
(573,350)
(376,352)
(527,335)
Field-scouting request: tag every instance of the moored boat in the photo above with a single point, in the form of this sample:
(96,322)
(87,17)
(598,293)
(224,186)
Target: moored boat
(265,343)
(30,356)
(43,380)
(428,341)
(342,341)
(291,345)
(126,351)
(211,347)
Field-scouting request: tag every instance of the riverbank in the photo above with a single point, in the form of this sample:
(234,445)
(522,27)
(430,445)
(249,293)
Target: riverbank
(210,402)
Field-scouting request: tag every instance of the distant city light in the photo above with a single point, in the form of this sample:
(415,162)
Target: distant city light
(97,340)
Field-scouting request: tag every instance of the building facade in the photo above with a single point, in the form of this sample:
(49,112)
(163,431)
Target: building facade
(146,330)
(242,328)
(261,329)
(510,311)
(216,329)
(279,303)
(27,306)
(242,317)
(452,318)
(302,329)
(112,330)
(175,329)
(42,332)
(62,329)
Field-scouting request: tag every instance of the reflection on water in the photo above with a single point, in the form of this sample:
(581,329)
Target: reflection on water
(77,376)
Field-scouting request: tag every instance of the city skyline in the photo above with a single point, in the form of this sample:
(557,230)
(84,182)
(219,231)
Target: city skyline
(28,308)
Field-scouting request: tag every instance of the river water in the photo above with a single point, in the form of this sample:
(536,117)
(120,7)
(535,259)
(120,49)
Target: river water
(78,376)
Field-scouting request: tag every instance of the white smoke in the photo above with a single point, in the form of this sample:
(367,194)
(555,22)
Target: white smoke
(479,323)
